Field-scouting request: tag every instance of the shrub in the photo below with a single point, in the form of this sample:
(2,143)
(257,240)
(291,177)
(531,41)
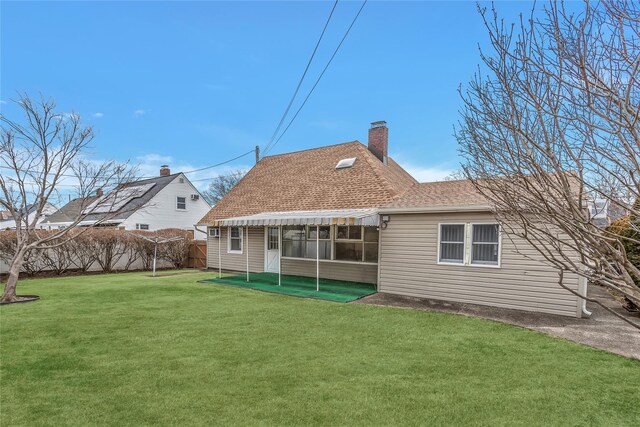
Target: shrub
(175,252)
(624,228)
(105,246)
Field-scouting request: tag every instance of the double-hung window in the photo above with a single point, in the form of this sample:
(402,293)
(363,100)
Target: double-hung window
(485,244)
(469,244)
(452,238)
(181,203)
(234,240)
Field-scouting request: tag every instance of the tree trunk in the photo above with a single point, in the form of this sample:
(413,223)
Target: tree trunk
(9,294)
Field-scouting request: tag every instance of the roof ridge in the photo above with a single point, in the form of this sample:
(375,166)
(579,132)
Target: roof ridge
(314,148)
(377,170)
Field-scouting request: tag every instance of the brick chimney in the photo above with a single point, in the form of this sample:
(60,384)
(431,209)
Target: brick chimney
(379,140)
(164,170)
(99,192)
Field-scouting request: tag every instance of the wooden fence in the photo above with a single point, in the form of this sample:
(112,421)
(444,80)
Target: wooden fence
(197,254)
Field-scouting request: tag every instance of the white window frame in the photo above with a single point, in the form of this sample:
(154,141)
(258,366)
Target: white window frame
(214,232)
(139,227)
(177,203)
(241,232)
(470,251)
(464,244)
(468,244)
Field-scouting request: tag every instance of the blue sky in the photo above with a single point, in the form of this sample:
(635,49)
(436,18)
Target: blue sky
(196,83)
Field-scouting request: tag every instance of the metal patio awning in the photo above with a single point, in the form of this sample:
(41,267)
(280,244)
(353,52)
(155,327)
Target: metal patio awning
(367,217)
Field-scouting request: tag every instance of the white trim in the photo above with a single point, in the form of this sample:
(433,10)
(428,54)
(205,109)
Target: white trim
(266,245)
(471,264)
(468,245)
(241,233)
(437,209)
(242,246)
(279,255)
(185,204)
(464,244)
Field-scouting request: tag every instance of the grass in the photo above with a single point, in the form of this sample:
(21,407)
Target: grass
(128,349)
(330,290)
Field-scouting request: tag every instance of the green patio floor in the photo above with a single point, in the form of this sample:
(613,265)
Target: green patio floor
(299,286)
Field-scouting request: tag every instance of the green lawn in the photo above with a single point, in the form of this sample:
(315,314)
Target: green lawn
(127,349)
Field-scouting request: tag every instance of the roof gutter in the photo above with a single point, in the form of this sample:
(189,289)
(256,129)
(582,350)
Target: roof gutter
(436,209)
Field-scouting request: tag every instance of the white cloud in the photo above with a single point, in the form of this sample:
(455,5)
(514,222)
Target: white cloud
(139,113)
(154,158)
(428,174)
(149,165)
(97,115)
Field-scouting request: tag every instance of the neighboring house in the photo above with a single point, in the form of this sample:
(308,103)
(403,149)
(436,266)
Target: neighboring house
(167,201)
(8,223)
(377,224)
(603,213)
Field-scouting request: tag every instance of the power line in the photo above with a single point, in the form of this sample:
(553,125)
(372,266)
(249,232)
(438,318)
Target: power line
(295,93)
(210,178)
(148,177)
(221,163)
(319,78)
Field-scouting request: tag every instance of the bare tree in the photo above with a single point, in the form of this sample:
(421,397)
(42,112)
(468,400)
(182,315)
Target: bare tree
(37,157)
(455,175)
(221,185)
(549,122)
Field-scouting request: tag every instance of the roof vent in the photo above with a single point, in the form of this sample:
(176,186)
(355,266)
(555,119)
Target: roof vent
(346,163)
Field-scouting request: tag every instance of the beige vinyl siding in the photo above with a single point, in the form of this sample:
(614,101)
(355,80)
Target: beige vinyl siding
(408,266)
(238,262)
(365,273)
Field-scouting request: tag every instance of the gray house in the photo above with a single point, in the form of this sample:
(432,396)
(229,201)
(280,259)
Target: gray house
(349,212)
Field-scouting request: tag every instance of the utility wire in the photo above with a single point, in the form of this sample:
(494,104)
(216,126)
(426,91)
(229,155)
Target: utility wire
(318,80)
(148,177)
(295,93)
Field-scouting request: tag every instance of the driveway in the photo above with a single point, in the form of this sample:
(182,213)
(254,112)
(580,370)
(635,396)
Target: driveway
(602,330)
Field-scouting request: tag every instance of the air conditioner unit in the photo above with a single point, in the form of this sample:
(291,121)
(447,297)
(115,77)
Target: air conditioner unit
(195,197)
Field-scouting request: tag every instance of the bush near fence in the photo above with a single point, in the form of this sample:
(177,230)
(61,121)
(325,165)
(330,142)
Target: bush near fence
(99,249)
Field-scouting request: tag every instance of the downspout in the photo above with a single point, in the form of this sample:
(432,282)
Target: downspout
(583,292)
(197,229)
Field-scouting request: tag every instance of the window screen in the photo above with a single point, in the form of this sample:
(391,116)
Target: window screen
(452,243)
(181,202)
(235,239)
(485,244)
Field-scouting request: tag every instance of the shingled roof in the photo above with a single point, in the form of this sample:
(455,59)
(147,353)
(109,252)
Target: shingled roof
(70,211)
(308,180)
(441,193)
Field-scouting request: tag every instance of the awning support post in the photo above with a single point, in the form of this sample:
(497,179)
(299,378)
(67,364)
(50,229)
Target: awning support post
(246,247)
(279,255)
(317,258)
(219,253)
